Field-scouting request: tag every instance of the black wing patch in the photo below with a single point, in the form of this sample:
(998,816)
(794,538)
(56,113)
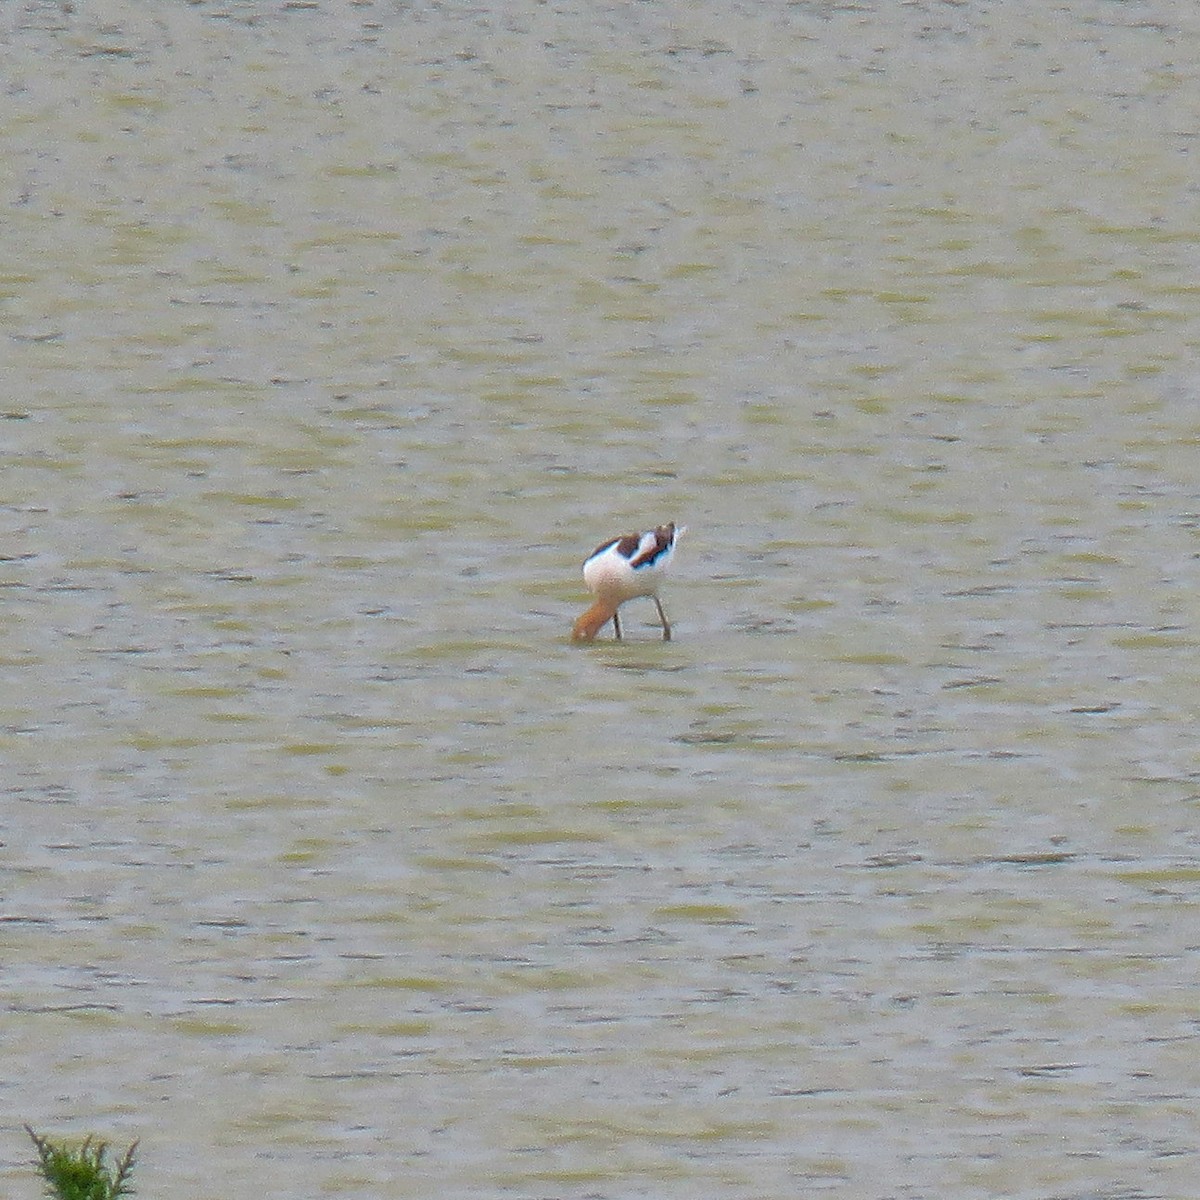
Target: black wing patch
(664,538)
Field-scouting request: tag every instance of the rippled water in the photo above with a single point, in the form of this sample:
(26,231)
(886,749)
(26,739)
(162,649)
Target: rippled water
(336,336)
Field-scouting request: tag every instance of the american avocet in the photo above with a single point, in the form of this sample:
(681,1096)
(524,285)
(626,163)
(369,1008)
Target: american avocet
(622,568)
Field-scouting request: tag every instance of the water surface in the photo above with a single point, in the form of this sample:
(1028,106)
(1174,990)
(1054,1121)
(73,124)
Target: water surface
(335,339)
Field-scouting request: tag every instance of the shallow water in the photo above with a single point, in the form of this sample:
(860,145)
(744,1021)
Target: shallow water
(336,339)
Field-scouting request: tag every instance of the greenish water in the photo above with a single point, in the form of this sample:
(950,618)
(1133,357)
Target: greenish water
(337,338)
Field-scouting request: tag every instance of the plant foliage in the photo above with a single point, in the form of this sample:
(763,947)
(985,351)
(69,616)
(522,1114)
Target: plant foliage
(83,1172)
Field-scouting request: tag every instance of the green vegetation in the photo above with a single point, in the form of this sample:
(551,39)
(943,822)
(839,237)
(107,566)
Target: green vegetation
(83,1172)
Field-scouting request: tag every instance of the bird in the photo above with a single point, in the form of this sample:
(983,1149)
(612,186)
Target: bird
(622,568)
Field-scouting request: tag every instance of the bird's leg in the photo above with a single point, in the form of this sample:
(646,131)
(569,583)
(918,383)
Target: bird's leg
(662,616)
(617,626)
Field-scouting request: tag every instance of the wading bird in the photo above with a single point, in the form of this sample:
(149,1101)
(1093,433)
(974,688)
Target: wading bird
(622,568)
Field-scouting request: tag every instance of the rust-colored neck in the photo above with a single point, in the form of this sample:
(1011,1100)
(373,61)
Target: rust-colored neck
(593,621)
